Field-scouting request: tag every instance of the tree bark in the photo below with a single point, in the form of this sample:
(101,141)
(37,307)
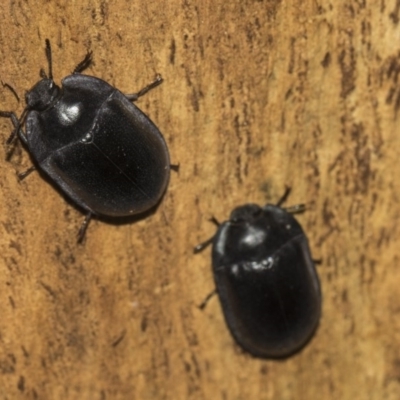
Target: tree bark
(258,95)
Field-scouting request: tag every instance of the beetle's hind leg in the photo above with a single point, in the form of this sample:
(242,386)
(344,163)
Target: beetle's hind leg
(84,226)
(152,85)
(23,175)
(84,63)
(204,303)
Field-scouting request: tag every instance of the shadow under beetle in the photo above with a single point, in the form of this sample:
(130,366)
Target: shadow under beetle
(93,143)
(266,280)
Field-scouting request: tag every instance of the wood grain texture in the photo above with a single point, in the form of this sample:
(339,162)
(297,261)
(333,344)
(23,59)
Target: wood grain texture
(257,95)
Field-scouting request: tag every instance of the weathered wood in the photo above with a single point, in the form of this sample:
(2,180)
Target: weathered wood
(257,95)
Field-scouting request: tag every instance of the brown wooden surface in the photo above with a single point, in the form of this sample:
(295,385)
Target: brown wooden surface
(257,95)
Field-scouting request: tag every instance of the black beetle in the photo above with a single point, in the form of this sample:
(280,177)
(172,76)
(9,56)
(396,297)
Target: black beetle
(93,143)
(266,280)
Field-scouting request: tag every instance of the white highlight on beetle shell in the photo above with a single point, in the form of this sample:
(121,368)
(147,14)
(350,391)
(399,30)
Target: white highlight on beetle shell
(254,237)
(87,138)
(253,266)
(68,114)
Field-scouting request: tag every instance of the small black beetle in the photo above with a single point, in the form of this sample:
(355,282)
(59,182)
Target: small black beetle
(94,144)
(266,280)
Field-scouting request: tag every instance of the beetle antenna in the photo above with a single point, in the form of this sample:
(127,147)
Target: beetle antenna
(49,60)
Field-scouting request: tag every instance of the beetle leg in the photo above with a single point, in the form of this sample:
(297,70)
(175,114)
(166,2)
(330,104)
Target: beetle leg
(201,246)
(23,175)
(84,226)
(203,304)
(11,89)
(135,96)
(175,167)
(16,122)
(84,63)
(17,131)
(296,209)
(214,221)
(42,73)
(284,196)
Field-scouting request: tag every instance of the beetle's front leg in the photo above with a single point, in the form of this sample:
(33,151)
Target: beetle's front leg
(17,127)
(152,85)
(201,246)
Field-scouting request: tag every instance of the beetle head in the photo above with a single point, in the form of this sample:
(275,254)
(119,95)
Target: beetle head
(42,94)
(247,213)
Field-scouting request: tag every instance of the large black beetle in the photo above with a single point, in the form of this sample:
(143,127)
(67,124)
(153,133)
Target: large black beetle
(94,144)
(266,280)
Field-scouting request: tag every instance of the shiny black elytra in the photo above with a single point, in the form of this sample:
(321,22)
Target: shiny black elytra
(94,144)
(266,280)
